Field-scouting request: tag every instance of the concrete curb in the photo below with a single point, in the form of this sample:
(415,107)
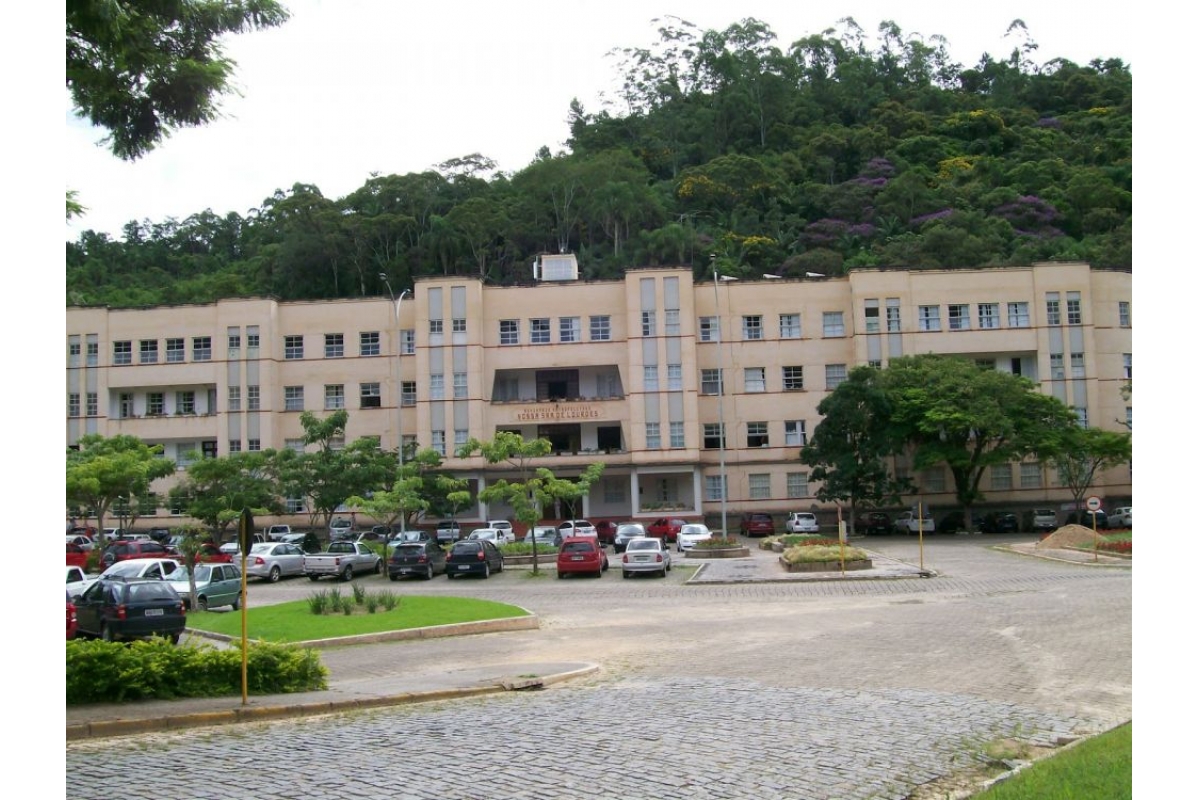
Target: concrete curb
(526,623)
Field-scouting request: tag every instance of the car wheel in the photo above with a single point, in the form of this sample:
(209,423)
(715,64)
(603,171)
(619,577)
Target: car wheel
(561,575)
(378,567)
(202,603)
(429,573)
(174,637)
(274,575)
(106,634)
(624,574)
(237,603)
(392,576)
(348,573)
(487,571)
(314,577)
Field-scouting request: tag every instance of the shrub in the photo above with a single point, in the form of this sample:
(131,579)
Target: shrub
(360,593)
(155,669)
(819,552)
(717,543)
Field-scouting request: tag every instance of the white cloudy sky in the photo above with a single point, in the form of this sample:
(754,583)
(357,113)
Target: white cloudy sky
(351,87)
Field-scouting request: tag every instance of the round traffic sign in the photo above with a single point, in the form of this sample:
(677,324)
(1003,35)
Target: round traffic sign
(1093,503)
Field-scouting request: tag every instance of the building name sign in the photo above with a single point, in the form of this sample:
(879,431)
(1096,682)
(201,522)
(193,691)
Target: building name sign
(558,412)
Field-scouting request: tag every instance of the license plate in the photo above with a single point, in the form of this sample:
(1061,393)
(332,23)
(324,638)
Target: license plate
(464,566)
(154,612)
(577,558)
(640,558)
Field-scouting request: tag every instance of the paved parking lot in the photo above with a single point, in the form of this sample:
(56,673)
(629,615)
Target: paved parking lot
(861,689)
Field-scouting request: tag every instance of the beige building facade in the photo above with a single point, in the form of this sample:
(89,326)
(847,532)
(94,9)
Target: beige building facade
(641,374)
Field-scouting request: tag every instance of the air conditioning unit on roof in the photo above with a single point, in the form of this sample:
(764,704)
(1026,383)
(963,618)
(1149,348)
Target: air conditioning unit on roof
(556,268)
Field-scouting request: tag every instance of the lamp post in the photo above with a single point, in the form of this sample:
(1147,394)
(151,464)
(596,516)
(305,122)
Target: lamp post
(717,278)
(399,406)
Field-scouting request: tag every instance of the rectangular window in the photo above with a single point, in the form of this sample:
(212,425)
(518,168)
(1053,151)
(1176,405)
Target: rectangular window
(458,325)
(760,486)
(293,347)
(73,404)
(671,321)
(335,396)
(989,315)
(793,379)
(871,319)
(254,445)
(233,342)
(893,315)
(335,345)
(185,454)
(1123,313)
(600,327)
(408,393)
(752,327)
(74,351)
(1127,365)
(986,363)
(875,363)
(175,351)
(929,318)
(794,434)
(295,445)
(1081,415)
(650,377)
(510,331)
(1077,365)
(714,487)
(960,316)
(93,353)
(460,386)
(460,437)
(789,326)
(235,445)
(148,351)
(756,379)
(293,398)
(123,352)
(1057,371)
(156,404)
(1001,476)
(676,434)
(369,395)
(408,342)
(294,505)
(253,402)
(934,480)
(648,323)
(234,402)
(710,329)
(653,436)
(568,329)
(185,402)
(368,343)
(675,377)
(252,341)
(438,442)
(756,435)
(1031,475)
(1074,309)
(832,324)
(437,386)
(125,405)
(710,381)
(1053,314)
(714,437)
(797,484)
(835,374)
(201,348)
(435,327)
(1018,315)
(539,330)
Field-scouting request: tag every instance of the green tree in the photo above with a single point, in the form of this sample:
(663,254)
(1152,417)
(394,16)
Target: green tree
(1086,452)
(537,487)
(950,411)
(143,69)
(849,448)
(104,471)
(215,490)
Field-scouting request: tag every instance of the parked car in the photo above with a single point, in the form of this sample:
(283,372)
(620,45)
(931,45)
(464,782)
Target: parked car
(411,536)
(666,528)
(547,535)
(606,531)
(141,569)
(72,618)
(1122,517)
(77,581)
(448,531)
(1040,520)
(1084,518)
(757,524)
(275,533)
(125,550)
(955,521)
(81,541)
(690,534)
(872,523)
(647,554)
(306,541)
(576,527)
(209,553)
(908,522)
(477,557)
(1000,522)
(625,532)
(496,536)
(216,585)
(117,608)
(340,528)
(802,522)
(86,531)
(76,556)
(271,561)
(424,559)
(581,555)
(503,525)
(160,535)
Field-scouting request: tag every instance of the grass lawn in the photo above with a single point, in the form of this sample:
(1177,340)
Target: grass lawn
(1099,769)
(295,622)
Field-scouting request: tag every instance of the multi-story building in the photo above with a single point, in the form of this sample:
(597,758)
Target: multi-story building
(696,395)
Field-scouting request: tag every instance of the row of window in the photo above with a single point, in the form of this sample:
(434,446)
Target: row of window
(754,379)
(175,349)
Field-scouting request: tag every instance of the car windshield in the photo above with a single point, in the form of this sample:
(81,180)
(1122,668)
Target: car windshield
(701,529)
(410,549)
(644,544)
(631,530)
(466,548)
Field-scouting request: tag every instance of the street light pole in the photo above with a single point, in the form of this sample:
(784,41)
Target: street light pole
(397,393)
(721,400)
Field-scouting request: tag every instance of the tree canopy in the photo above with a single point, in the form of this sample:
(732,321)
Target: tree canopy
(104,471)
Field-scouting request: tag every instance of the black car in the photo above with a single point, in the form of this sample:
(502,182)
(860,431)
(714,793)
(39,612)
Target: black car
(872,522)
(115,608)
(1084,518)
(625,532)
(955,521)
(473,557)
(424,559)
(1000,522)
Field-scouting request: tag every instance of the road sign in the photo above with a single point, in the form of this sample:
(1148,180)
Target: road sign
(1093,503)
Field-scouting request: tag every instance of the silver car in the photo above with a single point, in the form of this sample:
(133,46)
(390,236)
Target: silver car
(645,554)
(274,560)
(690,534)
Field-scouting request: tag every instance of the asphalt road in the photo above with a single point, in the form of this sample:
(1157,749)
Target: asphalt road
(863,689)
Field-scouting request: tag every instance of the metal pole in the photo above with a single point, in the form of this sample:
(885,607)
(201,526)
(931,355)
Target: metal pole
(721,403)
(399,406)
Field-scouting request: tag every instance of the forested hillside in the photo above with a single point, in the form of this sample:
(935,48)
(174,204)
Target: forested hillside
(836,151)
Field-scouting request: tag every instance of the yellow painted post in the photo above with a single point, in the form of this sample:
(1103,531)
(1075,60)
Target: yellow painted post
(245,538)
(921,533)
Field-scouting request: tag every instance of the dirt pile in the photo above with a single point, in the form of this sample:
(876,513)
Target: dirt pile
(1069,536)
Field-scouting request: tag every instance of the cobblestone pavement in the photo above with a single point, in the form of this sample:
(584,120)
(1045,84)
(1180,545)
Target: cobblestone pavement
(845,689)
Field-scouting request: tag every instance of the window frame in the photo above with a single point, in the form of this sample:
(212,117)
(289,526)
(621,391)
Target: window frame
(293,398)
(293,347)
(335,396)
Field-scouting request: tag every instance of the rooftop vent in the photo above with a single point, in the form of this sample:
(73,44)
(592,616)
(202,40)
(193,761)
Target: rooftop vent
(556,268)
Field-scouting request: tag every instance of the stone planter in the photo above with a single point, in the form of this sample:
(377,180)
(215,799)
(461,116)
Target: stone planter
(826,566)
(724,552)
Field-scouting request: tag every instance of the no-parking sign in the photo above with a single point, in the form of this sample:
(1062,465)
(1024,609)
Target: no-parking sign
(1093,503)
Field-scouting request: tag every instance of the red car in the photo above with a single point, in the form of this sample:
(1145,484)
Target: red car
(209,553)
(133,548)
(581,555)
(606,531)
(72,621)
(76,556)
(666,528)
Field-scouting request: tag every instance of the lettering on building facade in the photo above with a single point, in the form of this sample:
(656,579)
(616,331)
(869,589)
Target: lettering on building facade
(558,412)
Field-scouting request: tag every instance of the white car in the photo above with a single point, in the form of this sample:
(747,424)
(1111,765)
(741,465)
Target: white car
(1121,517)
(647,554)
(147,568)
(577,527)
(77,581)
(496,536)
(802,522)
(85,543)
(690,534)
(503,525)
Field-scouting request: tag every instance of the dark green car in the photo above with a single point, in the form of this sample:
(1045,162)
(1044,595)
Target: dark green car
(216,585)
(114,609)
